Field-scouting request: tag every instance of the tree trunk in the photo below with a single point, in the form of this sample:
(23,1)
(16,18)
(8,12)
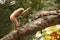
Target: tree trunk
(33,27)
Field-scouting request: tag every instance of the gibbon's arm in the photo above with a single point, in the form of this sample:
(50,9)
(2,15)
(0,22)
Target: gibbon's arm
(26,10)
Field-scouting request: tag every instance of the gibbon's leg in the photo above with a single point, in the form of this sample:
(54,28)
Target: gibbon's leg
(14,21)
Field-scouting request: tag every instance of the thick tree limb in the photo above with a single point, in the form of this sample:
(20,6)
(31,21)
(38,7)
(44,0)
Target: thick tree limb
(33,27)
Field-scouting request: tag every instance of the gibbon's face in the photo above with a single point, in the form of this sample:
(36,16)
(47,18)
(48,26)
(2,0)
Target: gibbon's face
(21,11)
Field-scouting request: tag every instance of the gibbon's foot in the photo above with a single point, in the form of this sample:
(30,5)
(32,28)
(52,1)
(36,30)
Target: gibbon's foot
(17,27)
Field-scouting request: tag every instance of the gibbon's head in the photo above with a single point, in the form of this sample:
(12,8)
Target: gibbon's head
(20,9)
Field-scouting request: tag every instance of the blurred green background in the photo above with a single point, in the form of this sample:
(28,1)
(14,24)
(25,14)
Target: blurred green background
(8,6)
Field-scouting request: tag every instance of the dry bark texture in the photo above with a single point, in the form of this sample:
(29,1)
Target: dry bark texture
(47,19)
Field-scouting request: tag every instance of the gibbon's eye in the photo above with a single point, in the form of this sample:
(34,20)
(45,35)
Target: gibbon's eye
(21,11)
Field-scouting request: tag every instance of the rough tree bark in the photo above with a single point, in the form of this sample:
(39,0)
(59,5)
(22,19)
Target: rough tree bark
(33,27)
